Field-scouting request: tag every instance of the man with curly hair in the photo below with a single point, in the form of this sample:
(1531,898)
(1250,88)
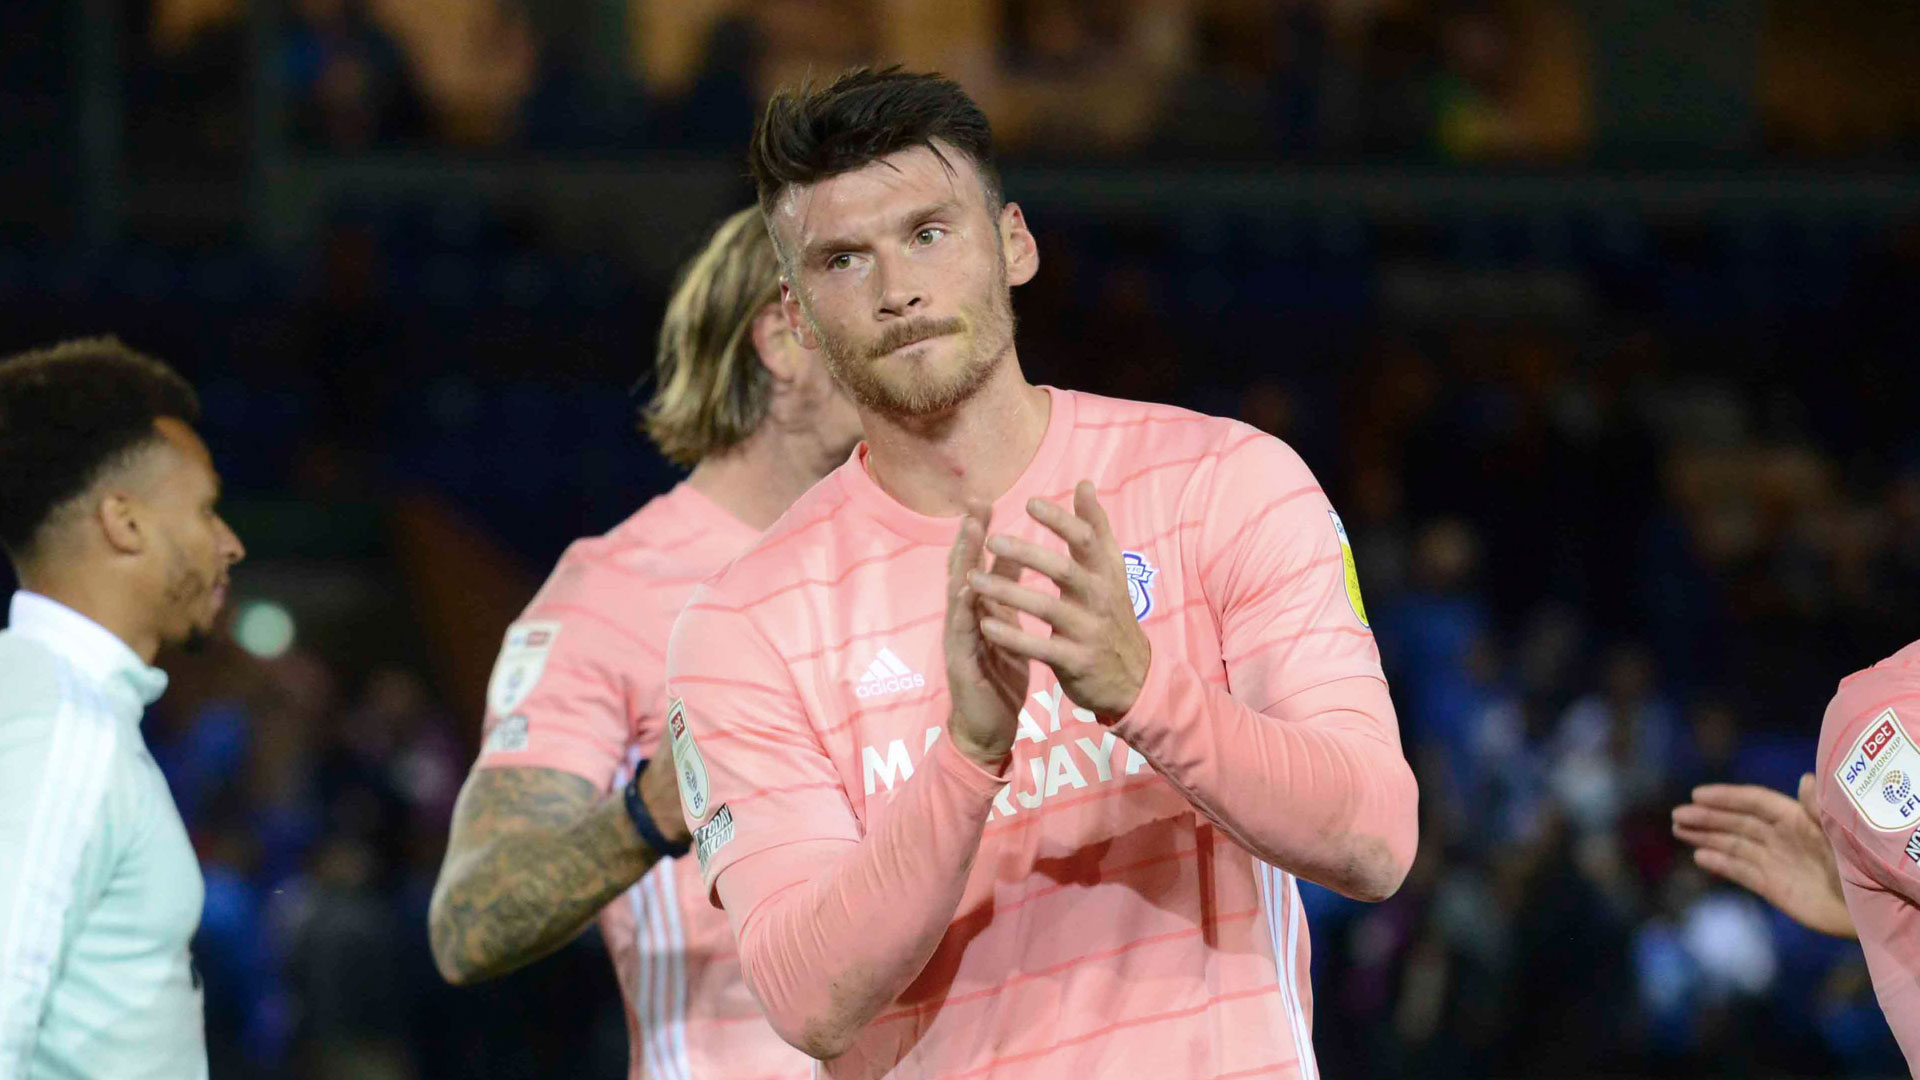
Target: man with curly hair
(107,513)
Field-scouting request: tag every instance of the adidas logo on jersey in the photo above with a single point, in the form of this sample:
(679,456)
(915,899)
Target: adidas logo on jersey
(888,674)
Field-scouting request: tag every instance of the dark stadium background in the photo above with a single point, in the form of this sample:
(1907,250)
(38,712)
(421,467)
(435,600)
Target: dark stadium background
(1596,318)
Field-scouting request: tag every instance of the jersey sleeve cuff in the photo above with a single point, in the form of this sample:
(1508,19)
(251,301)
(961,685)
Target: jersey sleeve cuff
(592,767)
(1152,702)
(964,770)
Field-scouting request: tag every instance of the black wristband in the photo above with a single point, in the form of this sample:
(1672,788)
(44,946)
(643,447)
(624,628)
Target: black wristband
(650,833)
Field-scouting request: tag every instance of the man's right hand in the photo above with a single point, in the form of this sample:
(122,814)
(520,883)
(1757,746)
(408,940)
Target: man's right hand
(1761,839)
(985,683)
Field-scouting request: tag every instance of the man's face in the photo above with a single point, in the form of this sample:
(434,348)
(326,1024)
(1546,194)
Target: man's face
(902,275)
(193,546)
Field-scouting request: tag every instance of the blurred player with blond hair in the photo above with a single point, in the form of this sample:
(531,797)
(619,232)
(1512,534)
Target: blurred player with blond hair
(563,816)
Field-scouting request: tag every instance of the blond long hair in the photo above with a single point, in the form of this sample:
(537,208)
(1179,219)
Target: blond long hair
(710,389)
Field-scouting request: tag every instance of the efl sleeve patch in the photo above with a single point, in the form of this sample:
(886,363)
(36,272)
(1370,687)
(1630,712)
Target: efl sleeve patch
(688,764)
(1878,774)
(1352,571)
(523,656)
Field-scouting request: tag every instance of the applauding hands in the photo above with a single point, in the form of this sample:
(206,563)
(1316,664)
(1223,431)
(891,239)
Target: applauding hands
(1096,648)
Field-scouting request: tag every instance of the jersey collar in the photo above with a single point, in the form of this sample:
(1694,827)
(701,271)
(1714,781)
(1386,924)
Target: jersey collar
(92,648)
(1038,479)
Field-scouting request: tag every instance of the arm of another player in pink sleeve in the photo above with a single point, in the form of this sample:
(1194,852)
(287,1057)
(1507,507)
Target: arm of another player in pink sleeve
(833,921)
(537,846)
(1878,915)
(1881,883)
(1298,758)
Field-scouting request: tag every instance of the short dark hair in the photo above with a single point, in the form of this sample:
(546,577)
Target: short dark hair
(810,134)
(68,413)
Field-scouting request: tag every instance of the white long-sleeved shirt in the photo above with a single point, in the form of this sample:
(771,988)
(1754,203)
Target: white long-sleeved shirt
(100,892)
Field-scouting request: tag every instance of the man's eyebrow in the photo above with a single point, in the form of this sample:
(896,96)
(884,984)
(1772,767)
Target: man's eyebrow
(817,248)
(943,208)
(820,247)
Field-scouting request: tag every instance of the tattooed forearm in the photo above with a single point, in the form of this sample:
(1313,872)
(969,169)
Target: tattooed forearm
(533,856)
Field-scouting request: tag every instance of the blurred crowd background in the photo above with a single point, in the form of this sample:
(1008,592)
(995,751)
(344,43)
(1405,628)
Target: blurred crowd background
(1596,319)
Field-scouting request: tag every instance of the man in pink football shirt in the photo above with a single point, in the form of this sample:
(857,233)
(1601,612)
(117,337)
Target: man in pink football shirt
(561,817)
(1864,879)
(1865,792)
(1043,817)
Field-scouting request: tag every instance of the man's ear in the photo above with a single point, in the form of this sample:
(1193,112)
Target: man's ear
(120,522)
(1017,243)
(773,342)
(796,318)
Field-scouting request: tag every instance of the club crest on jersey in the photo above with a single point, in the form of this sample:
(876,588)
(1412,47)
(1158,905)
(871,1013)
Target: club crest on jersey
(1140,575)
(1877,774)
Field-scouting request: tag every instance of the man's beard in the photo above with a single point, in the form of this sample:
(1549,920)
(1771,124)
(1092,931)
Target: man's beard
(196,641)
(186,590)
(856,365)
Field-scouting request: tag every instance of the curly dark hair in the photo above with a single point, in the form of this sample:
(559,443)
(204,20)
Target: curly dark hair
(810,134)
(67,414)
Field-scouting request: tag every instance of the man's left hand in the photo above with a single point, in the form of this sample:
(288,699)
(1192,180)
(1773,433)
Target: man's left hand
(1097,647)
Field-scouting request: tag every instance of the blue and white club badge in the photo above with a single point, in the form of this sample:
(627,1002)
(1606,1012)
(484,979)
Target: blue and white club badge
(1140,575)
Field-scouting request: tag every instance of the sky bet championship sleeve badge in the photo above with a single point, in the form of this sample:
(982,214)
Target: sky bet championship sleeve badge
(688,764)
(1140,575)
(1352,571)
(1878,774)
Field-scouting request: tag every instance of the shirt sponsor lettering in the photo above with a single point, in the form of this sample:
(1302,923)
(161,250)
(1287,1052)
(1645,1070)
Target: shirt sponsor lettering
(1088,755)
